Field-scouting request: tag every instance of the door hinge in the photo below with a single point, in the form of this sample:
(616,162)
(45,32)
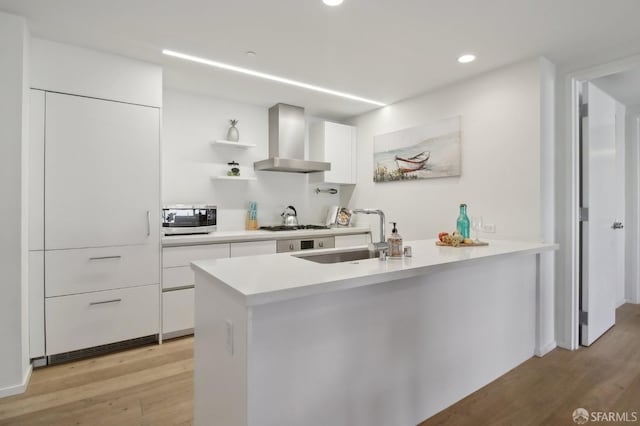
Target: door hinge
(584,318)
(583,214)
(584,110)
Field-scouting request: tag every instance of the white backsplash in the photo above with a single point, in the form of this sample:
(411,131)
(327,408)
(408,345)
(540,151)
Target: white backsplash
(189,160)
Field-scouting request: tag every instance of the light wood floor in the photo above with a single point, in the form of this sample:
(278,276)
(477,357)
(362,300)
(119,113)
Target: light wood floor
(545,391)
(153,385)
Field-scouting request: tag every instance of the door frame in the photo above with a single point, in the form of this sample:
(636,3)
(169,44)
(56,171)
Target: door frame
(574,81)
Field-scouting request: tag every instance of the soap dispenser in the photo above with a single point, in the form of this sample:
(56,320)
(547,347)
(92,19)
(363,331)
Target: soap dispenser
(395,243)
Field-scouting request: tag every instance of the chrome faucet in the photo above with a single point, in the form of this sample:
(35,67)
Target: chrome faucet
(382,245)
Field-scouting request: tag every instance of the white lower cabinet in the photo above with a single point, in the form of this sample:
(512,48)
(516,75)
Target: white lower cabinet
(252,248)
(184,255)
(178,276)
(104,268)
(91,319)
(177,311)
(178,301)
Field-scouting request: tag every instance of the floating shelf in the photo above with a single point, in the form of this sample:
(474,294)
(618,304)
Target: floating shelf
(233,177)
(234,144)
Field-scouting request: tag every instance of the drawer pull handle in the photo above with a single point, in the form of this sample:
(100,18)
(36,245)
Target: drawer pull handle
(105,302)
(148,223)
(105,257)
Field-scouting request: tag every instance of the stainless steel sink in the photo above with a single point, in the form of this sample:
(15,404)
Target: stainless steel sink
(339,256)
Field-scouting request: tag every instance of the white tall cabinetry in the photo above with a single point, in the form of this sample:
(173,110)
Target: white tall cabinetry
(36,224)
(101,222)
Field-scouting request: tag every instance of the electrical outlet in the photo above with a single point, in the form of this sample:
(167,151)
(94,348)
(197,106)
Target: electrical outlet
(229,336)
(489,228)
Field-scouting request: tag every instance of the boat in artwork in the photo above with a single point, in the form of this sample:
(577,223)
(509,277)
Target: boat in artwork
(412,164)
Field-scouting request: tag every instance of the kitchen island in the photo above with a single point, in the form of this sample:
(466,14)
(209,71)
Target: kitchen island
(281,340)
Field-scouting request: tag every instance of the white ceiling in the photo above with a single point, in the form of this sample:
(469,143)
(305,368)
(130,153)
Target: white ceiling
(379,49)
(623,86)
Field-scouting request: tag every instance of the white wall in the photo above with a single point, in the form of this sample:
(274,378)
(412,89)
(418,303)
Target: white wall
(501,159)
(546,338)
(189,160)
(14,350)
(71,69)
(508,177)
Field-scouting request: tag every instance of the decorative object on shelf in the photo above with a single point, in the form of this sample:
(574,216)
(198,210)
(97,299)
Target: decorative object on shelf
(252,216)
(235,170)
(232,134)
(332,191)
(421,152)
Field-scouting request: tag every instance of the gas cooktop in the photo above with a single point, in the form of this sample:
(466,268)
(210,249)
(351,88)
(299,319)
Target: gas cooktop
(292,227)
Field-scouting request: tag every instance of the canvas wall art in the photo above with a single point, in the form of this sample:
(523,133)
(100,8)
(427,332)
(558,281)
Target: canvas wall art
(421,152)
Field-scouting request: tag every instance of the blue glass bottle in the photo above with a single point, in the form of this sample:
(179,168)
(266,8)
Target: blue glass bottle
(462,225)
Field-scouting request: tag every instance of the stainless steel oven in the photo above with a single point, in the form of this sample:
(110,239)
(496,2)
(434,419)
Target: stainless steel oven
(192,219)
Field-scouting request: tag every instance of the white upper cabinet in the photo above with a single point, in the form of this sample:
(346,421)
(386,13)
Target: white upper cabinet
(102,172)
(335,143)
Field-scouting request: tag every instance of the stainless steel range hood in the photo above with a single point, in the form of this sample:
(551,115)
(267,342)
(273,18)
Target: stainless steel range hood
(286,143)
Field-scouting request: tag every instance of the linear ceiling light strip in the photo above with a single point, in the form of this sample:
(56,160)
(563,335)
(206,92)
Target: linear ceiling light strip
(271,77)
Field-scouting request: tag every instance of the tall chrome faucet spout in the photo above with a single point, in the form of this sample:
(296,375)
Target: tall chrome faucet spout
(382,244)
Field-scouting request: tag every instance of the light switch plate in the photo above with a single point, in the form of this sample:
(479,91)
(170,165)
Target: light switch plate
(489,228)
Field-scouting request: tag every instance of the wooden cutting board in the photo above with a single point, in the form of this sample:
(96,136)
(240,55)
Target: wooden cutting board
(478,244)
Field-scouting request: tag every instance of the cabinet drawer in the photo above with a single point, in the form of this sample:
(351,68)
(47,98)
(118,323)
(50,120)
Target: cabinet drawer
(252,248)
(96,269)
(178,276)
(182,256)
(92,319)
(177,310)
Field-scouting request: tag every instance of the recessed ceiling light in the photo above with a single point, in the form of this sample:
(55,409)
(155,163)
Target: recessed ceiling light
(465,59)
(271,77)
(332,2)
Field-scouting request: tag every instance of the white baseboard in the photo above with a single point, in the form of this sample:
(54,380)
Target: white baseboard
(20,388)
(542,351)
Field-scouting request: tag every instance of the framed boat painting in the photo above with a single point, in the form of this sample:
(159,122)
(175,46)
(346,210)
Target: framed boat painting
(421,152)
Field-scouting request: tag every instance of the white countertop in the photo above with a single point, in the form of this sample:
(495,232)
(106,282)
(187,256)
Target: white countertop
(275,277)
(258,235)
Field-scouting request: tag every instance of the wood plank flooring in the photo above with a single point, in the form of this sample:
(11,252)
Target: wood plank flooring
(153,385)
(545,391)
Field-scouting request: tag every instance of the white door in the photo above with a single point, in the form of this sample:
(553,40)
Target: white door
(101,173)
(603,196)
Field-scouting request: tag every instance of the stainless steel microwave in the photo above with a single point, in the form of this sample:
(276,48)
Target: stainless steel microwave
(195,219)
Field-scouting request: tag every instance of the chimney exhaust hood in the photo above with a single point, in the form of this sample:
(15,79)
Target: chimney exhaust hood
(286,143)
